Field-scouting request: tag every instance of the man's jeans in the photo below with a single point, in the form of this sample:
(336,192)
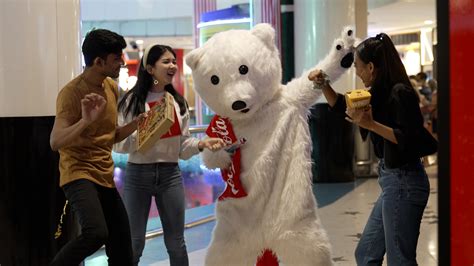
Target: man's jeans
(394,224)
(103,220)
(162,180)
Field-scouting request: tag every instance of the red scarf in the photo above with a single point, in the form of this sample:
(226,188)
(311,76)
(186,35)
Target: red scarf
(221,127)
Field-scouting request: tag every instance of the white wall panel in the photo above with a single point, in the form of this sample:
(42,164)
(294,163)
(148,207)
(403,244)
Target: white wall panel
(39,53)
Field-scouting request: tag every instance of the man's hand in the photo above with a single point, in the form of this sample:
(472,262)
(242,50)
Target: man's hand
(212,144)
(92,106)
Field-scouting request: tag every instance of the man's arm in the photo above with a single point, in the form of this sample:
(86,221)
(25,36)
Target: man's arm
(65,132)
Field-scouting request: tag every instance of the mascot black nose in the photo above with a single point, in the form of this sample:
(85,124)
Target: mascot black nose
(238,105)
(347,60)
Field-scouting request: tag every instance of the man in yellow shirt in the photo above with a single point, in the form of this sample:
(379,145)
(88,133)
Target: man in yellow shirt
(84,132)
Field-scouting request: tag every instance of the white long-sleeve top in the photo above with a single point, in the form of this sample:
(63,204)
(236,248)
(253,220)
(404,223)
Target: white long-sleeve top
(165,150)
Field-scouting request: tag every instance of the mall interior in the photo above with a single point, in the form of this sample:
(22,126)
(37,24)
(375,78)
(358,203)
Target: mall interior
(40,51)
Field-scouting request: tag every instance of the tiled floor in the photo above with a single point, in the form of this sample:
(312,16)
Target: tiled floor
(345,219)
(344,208)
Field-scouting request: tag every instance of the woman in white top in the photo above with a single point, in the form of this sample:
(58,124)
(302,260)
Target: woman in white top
(154,171)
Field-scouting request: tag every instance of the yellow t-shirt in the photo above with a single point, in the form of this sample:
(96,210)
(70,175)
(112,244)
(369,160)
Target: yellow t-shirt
(90,156)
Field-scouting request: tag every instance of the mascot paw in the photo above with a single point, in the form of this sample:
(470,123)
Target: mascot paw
(347,35)
(340,57)
(219,159)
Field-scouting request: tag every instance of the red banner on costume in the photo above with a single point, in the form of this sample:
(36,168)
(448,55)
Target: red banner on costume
(221,127)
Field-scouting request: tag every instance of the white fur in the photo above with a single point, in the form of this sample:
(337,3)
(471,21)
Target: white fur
(213,160)
(280,211)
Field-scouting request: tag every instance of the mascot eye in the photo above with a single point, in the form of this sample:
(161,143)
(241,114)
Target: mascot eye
(349,33)
(338,47)
(215,79)
(243,69)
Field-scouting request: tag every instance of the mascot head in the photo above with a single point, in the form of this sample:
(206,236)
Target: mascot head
(237,71)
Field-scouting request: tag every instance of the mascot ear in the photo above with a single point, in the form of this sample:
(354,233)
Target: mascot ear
(265,33)
(193,57)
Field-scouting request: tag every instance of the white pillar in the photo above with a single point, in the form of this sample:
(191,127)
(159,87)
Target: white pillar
(268,11)
(200,6)
(317,24)
(39,53)
(361,16)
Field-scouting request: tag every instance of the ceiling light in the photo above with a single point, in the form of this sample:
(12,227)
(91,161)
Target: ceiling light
(428,22)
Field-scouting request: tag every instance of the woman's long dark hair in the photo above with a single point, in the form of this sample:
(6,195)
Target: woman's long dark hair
(138,93)
(389,67)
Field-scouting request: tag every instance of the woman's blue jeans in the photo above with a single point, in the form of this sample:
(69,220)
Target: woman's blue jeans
(394,224)
(164,182)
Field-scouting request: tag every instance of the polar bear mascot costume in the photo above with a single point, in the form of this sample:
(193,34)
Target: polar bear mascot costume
(267,214)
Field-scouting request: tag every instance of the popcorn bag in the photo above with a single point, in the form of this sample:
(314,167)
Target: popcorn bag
(158,121)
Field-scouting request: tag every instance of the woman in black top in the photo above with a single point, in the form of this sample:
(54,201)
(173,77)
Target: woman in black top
(395,124)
